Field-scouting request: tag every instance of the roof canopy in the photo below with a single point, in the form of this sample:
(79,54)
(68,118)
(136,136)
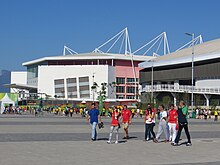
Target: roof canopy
(21,86)
(204,51)
(86,56)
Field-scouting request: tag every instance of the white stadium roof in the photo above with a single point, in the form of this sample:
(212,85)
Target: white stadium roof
(90,56)
(204,51)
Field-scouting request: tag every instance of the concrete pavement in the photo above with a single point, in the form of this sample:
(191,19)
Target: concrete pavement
(61,140)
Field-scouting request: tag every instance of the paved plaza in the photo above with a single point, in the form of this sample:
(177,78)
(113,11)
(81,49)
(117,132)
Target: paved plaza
(62,140)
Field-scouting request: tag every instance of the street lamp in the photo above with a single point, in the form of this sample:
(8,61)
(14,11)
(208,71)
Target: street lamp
(152,80)
(192,35)
(93,92)
(68,82)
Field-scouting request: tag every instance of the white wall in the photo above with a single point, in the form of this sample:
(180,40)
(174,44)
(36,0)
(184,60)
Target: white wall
(18,78)
(47,75)
(214,83)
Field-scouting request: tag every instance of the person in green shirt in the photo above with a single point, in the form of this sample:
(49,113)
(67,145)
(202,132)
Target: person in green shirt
(182,123)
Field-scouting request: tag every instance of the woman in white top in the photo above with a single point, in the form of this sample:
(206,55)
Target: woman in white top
(163,124)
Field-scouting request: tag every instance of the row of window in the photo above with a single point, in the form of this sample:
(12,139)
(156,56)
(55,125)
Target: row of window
(82,62)
(121,89)
(123,97)
(71,85)
(121,80)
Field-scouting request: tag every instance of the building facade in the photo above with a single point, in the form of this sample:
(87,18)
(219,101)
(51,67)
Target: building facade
(71,77)
(171,75)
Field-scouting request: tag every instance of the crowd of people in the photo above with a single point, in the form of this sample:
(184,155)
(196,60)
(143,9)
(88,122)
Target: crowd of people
(171,123)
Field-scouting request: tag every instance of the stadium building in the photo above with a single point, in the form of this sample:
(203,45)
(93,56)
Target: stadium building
(71,77)
(168,78)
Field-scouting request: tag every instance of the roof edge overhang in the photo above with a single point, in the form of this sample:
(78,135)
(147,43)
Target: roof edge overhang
(84,56)
(20,86)
(178,61)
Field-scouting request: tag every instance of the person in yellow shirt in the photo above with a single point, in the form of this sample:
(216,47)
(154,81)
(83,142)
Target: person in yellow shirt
(216,115)
(71,112)
(141,113)
(133,112)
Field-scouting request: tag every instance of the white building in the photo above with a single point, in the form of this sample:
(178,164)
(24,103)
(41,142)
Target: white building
(71,77)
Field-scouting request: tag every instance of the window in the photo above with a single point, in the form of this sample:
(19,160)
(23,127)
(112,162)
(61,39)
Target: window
(120,96)
(131,90)
(71,87)
(131,80)
(59,88)
(130,97)
(120,89)
(59,81)
(32,72)
(84,89)
(120,80)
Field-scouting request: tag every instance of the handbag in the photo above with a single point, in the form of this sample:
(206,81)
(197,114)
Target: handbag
(177,126)
(101,125)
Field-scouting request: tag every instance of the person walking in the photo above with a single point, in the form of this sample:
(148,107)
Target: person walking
(162,124)
(94,117)
(216,115)
(126,120)
(114,125)
(149,125)
(172,123)
(183,123)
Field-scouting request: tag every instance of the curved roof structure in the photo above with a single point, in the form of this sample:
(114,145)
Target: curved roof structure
(205,51)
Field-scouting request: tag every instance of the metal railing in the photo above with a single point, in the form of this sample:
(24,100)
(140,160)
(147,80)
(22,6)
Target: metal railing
(181,89)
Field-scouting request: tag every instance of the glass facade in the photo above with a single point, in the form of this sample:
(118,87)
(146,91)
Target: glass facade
(84,89)
(59,88)
(71,87)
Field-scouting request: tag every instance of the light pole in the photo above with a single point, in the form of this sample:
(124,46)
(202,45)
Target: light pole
(192,35)
(67,90)
(152,80)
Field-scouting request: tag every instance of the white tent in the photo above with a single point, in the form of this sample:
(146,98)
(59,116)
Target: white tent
(5,101)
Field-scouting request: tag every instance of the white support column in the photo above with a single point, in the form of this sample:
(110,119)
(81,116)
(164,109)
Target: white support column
(207,97)
(65,88)
(174,98)
(154,97)
(176,85)
(77,86)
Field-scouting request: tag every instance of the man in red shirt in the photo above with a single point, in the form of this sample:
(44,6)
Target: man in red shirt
(126,120)
(172,122)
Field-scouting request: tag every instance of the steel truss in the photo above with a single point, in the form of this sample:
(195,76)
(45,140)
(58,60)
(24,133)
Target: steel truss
(197,40)
(69,50)
(161,37)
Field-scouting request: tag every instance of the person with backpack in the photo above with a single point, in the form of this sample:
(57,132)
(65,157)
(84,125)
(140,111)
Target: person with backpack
(183,123)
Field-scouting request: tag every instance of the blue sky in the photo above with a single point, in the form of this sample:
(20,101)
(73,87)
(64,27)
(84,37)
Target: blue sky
(31,29)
